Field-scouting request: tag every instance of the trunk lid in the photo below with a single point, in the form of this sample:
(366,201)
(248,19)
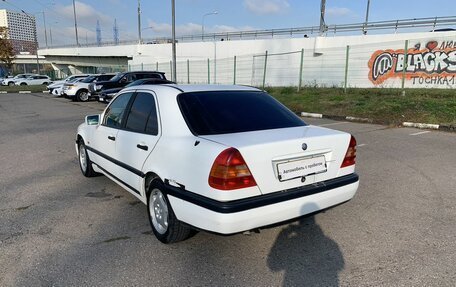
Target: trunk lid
(279,158)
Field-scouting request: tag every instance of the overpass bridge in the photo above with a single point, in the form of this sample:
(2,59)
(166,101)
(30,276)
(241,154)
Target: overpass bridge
(223,57)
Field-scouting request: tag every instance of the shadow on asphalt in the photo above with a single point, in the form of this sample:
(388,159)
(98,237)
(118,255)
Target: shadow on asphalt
(306,255)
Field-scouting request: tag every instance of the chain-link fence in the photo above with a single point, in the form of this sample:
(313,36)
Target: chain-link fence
(420,63)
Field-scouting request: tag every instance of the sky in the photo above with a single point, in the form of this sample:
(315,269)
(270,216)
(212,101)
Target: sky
(232,15)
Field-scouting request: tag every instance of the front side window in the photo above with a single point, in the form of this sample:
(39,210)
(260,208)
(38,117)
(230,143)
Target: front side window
(142,117)
(116,110)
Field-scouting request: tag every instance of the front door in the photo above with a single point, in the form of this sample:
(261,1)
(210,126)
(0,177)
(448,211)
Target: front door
(102,148)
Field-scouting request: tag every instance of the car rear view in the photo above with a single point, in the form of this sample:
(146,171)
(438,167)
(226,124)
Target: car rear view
(296,168)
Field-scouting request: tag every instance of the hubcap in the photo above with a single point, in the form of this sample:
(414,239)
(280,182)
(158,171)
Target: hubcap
(83,96)
(83,158)
(158,209)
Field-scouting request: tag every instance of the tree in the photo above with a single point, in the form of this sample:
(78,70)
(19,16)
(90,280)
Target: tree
(6,48)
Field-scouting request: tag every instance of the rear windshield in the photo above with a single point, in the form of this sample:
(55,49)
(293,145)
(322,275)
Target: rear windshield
(222,112)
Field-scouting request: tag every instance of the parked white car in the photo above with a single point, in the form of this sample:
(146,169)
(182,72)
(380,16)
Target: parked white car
(59,91)
(56,87)
(220,158)
(33,81)
(79,91)
(12,81)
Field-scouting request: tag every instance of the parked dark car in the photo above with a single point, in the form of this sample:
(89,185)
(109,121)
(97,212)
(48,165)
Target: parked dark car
(107,95)
(121,80)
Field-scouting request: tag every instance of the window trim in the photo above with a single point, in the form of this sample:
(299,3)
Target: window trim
(128,109)
(187,121)
(124,128)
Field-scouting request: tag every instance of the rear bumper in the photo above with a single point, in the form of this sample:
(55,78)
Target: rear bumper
(246,214)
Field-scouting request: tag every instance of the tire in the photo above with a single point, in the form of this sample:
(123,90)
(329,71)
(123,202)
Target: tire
(166,227)
(82,96)
(23,84)
(11,84)
(84,161)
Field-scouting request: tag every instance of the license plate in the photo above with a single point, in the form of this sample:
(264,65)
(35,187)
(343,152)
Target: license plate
(301,168)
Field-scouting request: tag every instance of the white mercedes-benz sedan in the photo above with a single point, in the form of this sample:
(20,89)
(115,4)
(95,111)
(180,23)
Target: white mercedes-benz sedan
(225,159)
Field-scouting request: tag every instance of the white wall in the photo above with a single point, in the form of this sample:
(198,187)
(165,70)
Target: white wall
(324,60)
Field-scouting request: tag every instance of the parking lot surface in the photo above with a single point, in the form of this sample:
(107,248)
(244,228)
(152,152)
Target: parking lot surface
(58,228)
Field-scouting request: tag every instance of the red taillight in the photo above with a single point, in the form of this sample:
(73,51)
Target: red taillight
(230,171)
(351,153)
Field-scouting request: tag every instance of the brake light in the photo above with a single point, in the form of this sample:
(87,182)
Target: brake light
(230,171)
(351,153)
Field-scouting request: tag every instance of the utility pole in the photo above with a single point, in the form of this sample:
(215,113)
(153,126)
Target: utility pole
(367,17)
(322,18)
(45,31)
(75,24)
(173,8)
(139,22)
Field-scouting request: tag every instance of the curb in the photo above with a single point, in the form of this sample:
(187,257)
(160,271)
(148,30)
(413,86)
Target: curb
(24,92)
(337,118)
(441,127)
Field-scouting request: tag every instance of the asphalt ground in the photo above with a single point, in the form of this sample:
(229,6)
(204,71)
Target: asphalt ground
(58,228)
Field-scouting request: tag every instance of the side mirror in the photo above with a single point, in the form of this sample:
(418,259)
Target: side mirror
(92,120)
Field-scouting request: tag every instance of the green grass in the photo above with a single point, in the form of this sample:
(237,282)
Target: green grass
(389,106)
(15,89)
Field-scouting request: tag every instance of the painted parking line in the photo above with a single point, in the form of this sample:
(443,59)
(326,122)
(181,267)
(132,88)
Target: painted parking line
(420,133)
(360,145)
(332,124)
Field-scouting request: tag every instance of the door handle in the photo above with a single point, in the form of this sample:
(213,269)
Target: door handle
(143,147)
(113,138)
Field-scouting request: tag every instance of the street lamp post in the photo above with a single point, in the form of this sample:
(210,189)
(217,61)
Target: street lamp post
(202,22)
(367,18)
(75,24)
(36,41)
(322,17)
(173,8)
(45,30)
(139,22)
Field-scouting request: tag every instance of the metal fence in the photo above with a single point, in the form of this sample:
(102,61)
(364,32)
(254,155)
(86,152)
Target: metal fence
(416,24)
(367,65)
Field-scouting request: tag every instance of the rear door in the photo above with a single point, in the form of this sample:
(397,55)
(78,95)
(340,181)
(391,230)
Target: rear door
(138,138)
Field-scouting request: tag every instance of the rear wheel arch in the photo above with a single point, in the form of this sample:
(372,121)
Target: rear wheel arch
(164,223)
(150,179)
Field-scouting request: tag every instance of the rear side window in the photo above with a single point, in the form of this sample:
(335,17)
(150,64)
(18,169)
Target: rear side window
(105,77)
(142,117)
(222,112)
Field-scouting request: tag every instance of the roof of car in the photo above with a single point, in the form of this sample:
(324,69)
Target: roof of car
(177,89)
(203,88)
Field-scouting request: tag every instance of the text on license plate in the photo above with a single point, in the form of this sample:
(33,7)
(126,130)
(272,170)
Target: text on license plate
(300,168)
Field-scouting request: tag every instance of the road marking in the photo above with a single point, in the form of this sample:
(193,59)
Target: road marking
(361,145)
(332,124)
(420,133)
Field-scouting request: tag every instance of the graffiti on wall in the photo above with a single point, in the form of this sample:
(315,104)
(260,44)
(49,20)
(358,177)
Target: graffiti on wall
(433,64)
